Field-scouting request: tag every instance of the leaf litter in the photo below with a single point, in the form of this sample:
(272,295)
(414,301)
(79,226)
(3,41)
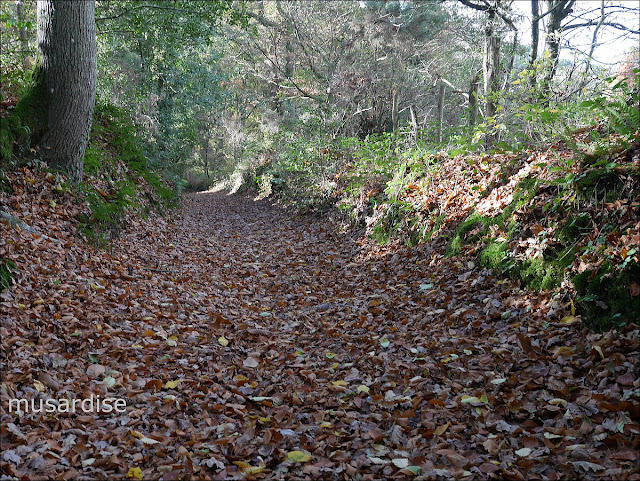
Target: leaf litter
(249,343)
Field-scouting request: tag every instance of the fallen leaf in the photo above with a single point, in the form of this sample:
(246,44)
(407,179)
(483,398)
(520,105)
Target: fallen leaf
(250,362)
(172,384)
(134,473)
(299,456)
(400,462)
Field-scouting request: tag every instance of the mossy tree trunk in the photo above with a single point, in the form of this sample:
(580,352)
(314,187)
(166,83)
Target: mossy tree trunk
(67,43)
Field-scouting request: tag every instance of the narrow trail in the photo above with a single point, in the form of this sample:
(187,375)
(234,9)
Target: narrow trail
(252,344)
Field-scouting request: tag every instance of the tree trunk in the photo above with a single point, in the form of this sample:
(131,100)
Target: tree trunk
(206,157)
(594,44)
(558,11)
(22,34)
(474,87)
(440,112)
(508,71)
(67,43)
(414,123)
(491,65)
(535,39)
(394,110)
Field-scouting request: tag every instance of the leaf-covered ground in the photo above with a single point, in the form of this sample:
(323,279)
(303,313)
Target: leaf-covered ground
(252,344)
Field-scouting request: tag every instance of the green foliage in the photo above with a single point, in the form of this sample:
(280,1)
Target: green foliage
(7,269)
(16,51)
(605,295)
(119,179)
(27,121)
(303,173)
(162,63)
(620,107)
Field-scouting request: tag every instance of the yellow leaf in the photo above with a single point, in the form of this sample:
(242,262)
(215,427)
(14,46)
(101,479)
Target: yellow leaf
(134,473)
(299,456)
(441,429)
(568,319)
(172,341)
(38,302)
(38,385)
(562,350)
(599,349)
(172,384)
(363,388)
(573,308)
(223,341)
(325,425)
(247,468)
(331,355)
(340,383)
(137,346)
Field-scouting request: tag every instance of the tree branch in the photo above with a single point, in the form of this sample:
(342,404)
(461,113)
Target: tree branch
(15,222)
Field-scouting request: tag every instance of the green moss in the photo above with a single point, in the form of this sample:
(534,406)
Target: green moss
(31,108)
(496,255)
(93,159)
(540,273)
(113,142)
(545,272)
(605,297)
(460,237)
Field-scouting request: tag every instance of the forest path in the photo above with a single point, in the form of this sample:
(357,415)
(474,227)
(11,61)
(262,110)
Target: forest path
(252,344)
(354,353)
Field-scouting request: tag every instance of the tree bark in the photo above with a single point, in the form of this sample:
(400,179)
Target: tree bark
(414,122)
(67,43)
(474,87)
(206,156)
(394,110)
(440,112)
(535,39)
(491,64)
(22,34)
(558,10)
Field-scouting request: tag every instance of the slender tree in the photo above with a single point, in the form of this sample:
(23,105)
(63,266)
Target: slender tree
(67,44)
(495,11)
